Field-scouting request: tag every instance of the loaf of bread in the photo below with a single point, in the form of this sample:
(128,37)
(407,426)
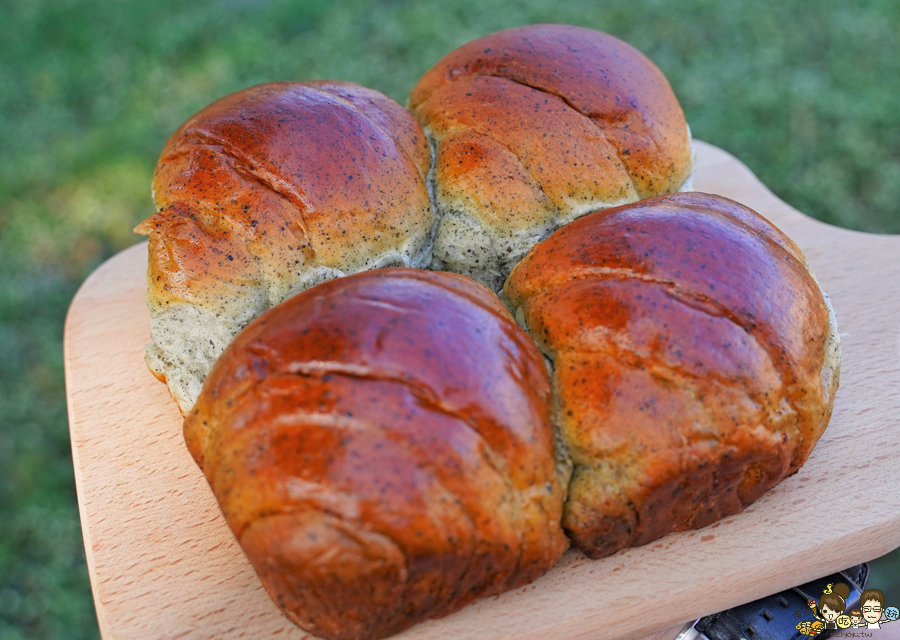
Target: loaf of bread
(536,126)
(382,444)
(381,447)
(267,192)
(695,361)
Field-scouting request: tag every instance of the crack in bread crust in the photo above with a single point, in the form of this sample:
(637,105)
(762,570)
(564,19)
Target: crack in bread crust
(250,170)
(589,116)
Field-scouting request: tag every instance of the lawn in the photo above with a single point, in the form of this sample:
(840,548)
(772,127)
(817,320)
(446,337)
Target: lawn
(805,93)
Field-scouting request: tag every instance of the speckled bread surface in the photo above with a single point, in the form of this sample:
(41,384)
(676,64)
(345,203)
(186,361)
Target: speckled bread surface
(536,126)
(267,192)
(695,361)
(382,449)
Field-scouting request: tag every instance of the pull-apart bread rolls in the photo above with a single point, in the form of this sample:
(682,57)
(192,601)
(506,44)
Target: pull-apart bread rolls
(695,362)
(536,126)
(381,447)
(267,192)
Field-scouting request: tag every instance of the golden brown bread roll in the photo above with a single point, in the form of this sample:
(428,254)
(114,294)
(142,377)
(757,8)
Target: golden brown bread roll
(381,447)
(536,126)
(267,192)
(695,362)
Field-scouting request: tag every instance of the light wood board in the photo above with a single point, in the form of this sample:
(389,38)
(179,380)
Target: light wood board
(164,564)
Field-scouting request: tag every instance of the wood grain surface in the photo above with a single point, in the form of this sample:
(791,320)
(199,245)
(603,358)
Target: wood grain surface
(164,564)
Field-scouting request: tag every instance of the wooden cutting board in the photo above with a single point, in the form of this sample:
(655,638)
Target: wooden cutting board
(164,564)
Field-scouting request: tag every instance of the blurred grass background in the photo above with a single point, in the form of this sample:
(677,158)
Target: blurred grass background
(805,93)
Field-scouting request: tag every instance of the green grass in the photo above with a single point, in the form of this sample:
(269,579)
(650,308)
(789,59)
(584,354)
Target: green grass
(805,93)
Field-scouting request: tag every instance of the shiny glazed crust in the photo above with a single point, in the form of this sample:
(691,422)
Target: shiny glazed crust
(381,447)
(267,192)
(695,362)
(536,126)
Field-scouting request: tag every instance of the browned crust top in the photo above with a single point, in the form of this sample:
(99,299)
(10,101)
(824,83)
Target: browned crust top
(280,177)
(688,340)
(408,410)
(598,76)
